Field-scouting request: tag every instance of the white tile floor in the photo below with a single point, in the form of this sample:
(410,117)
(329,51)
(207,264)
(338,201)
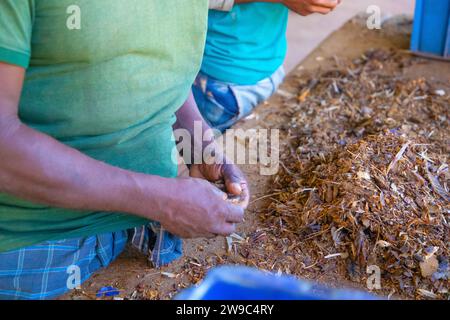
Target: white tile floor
(306,33)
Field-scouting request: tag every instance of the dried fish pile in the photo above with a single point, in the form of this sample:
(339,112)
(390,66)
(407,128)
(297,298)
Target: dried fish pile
(383,201)
(341,105)
(364,181)
(366,175)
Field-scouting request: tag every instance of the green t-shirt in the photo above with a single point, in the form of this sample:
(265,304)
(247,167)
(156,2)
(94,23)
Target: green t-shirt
(247,44)
(104,77)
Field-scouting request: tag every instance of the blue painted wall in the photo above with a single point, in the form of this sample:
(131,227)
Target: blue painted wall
(431,33)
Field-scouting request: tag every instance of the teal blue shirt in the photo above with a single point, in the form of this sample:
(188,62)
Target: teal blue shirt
(247,44)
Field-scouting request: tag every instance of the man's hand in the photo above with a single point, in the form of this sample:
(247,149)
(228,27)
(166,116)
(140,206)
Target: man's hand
(192,207)
(307,7)
(235,183)
(199,209)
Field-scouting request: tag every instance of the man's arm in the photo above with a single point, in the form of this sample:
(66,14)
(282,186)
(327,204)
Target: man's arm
(36,167)
(302,7)
(222,168)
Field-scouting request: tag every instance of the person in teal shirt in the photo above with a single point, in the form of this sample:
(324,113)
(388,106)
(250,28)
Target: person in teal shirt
(243,60)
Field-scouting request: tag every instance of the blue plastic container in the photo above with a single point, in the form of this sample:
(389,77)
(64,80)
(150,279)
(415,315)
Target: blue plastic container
(431,31)
(243,283)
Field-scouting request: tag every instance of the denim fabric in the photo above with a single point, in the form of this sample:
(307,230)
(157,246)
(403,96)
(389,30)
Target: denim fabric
(222,104)
(43,271)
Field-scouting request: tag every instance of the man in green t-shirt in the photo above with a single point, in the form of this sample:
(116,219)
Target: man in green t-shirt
(89,94)
(244,53)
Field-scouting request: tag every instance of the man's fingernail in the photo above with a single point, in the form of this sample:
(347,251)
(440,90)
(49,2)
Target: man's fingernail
(237,187)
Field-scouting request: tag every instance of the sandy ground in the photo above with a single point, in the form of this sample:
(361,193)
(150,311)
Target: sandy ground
(136,278)
(306,33)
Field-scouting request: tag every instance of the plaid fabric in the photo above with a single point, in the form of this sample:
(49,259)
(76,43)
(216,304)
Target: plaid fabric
(52,268)
(160,246)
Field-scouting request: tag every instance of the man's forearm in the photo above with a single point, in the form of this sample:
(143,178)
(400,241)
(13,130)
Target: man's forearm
(227,5)
(248,1)
(302,7)
(188,116)
(37,168)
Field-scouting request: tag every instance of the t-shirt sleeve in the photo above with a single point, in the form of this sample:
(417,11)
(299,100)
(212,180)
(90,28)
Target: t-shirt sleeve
(16,22)
(221,5)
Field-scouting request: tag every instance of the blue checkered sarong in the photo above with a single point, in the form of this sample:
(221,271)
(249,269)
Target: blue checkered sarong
(52,268)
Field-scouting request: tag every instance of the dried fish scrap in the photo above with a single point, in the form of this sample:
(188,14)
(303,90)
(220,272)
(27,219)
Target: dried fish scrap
(336,207)
(361,97)
(375,192)
(367,174)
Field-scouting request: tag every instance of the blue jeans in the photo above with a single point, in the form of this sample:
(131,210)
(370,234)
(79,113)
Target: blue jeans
(222,104)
